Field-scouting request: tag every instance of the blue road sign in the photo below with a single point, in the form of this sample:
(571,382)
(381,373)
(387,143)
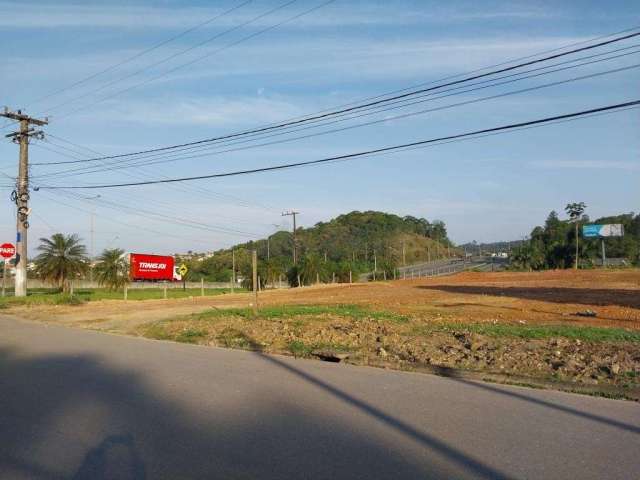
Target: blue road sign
(589,231)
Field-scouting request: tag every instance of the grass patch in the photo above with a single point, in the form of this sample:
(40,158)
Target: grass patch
(533,332)
(66,299)
(157,332)
(299,349)
(234,338)
(293,311)
(190,335)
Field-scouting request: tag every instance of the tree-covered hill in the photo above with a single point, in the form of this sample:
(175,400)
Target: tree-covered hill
(352,242)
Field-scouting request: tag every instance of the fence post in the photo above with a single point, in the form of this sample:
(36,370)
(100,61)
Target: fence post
(334,278)
(350,277)
(125,292)
(164,291)
(255,282)
(202,286)
(71,288)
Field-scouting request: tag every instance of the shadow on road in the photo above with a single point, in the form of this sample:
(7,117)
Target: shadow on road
(453,374)
(76,417)
(586,296)
(115,457)
(476,467)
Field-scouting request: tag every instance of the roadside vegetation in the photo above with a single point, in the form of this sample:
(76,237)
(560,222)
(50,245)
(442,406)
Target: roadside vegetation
(553,245)
(54,296)
(581,355)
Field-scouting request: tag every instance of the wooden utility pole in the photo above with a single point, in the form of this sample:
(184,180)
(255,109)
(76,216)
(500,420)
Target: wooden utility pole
(21,193)
(233,270)
(375,265)
(255,282)
(293,214)
(404,254)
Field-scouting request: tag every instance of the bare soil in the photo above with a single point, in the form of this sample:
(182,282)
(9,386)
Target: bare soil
(537,298)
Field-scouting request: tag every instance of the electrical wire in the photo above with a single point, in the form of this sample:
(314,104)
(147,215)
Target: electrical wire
(380,101)
(128,225)
(202,57)
(138,163)
(139,54)
(201,192)
(182,221)
(174,55)
(378,109)
(358,154)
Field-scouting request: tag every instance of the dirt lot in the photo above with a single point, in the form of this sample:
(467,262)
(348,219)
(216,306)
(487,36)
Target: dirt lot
(537,297)
(517,325)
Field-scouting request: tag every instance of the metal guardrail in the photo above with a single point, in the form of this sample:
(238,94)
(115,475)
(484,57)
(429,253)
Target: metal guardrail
(425,270)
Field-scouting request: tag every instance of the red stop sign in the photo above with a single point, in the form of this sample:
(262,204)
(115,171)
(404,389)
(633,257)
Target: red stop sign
(7,250)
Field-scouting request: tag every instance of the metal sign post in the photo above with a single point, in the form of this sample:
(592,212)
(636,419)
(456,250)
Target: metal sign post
(7,251)
(4,277)
(182,270)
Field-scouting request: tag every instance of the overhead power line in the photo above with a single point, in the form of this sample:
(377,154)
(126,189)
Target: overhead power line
(174,55)
(147,161)
(402,103)
(375,102)
(350,156)
(201,192)
(126,224)
(207,55)
(173,220)
(140,54)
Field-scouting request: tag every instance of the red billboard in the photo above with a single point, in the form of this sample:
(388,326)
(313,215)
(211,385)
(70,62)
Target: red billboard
(150,267)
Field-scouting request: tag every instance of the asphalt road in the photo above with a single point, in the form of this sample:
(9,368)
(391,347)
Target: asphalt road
(76,404)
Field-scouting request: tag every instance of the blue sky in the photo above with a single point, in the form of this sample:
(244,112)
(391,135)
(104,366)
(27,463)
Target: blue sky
(495,188)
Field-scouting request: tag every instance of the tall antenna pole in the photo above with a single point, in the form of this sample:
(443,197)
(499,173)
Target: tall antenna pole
(21,194)
(293,213)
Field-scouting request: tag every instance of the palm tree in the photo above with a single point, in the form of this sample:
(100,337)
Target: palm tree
(575,211)
(113,269)
(61,258)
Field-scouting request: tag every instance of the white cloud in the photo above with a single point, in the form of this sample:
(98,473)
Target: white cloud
(325,61)
(587,164)
(209,111)
(23,15)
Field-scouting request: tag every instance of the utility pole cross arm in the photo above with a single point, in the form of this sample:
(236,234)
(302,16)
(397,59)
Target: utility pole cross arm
(21,193)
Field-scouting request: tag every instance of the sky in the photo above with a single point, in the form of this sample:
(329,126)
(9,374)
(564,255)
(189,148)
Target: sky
(247,68)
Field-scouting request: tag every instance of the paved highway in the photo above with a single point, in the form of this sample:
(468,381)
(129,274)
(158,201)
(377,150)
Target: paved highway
(76,404)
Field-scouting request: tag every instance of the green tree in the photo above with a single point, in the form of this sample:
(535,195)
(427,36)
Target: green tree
(62,257)
(311,268)
(113,269)
(575,212)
